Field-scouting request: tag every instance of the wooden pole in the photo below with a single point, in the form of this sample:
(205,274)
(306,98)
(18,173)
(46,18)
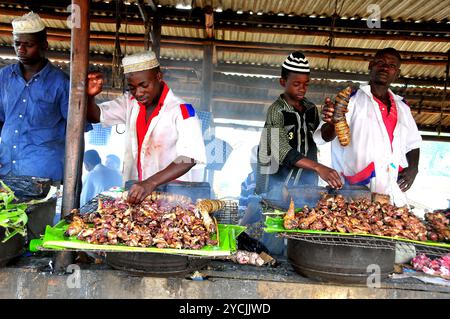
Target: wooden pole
(147,24)
(156,34)
(207,78)
(79,61)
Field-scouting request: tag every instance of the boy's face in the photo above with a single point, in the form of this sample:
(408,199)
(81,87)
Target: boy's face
(296,85)
(144,85)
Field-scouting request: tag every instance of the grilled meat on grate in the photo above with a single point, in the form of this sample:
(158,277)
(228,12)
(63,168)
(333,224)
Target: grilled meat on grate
(164,221)
(333,213)
(438,226)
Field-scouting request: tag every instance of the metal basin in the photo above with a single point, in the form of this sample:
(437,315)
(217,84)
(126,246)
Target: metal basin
(11,249)
(39,216)
(340,263)
(155,264)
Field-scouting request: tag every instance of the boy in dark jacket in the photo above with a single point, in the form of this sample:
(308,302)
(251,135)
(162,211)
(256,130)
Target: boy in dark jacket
(287,152)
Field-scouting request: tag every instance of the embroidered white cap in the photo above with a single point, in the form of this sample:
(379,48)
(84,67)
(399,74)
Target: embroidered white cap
(139,62)
(28,23)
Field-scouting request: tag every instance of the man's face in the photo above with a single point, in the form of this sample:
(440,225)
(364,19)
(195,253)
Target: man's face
(296,85)
(384,69)
(112,163)
(144,85)
(30,48)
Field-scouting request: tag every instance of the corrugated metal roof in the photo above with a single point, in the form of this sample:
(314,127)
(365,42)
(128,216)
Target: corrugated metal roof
(395,9)
(403,45)
(431,119)
(410,70)
(405,9)
(182,32)
(181,54)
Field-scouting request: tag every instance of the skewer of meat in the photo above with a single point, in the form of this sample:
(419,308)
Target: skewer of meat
(340,123)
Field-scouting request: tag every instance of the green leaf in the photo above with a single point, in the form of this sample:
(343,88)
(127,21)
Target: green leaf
(13,217)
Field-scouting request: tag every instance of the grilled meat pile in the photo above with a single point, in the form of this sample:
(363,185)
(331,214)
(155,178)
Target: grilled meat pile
(333,213)
(162,220)
(438,226)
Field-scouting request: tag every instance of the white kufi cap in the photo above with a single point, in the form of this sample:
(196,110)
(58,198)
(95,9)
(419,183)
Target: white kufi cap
(28,23)
(139,62)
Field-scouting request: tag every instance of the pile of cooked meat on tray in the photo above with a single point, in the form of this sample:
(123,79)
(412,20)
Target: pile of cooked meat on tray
(333,213)
(161,220)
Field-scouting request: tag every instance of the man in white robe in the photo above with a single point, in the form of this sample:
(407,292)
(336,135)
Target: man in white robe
(164,137)
(383,153)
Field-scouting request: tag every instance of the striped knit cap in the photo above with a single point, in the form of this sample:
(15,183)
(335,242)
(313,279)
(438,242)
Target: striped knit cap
(296,62)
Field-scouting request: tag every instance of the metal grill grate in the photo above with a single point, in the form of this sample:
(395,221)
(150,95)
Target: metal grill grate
(92,205)
(431,251)
(368,242)
(349,241)
(229,214)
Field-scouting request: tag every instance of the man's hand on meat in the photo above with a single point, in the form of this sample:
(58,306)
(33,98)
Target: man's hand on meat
(329,175)
(139,191)
(180,166)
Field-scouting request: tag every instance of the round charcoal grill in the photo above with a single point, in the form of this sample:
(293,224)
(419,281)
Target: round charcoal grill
(160,264)
(342,259)
(155,264)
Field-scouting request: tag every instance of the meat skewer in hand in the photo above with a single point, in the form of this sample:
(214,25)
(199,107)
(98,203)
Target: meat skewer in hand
(340,123)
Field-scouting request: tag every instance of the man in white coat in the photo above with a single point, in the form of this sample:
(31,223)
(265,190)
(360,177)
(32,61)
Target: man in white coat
(384,145)
(164,137)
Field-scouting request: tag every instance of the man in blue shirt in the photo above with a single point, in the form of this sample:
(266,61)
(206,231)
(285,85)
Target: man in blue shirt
(99,179)
(113,162)
(34,98)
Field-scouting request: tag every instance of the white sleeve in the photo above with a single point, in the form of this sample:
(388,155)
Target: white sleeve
(317,136)
(190,140)
(114,112)
(413,138)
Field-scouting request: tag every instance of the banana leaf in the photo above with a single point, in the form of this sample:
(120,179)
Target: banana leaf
(54,239)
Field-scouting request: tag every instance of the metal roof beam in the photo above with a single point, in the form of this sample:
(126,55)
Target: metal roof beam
(318,74)
(245,68)
(103,38)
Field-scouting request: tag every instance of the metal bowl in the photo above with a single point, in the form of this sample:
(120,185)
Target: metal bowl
(347,260)
(39,216)
(11,249)
(155,264)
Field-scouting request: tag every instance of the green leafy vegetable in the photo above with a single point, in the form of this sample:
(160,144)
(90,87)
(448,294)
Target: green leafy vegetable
(13,217)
